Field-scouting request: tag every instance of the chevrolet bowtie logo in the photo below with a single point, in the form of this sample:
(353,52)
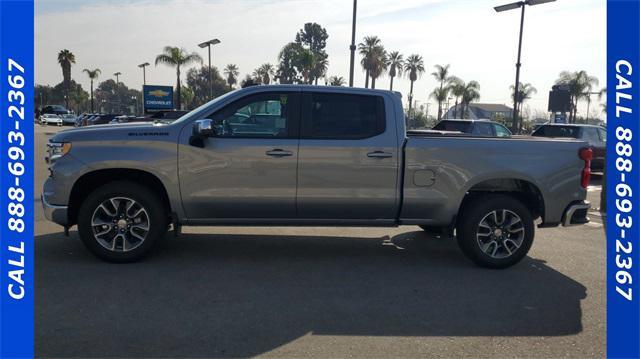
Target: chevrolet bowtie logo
(158,93)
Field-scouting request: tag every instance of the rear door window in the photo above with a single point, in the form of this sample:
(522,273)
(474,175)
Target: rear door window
(342,116)
(482,129)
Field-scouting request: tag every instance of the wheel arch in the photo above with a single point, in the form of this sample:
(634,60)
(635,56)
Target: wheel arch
(524,190)
(89,181)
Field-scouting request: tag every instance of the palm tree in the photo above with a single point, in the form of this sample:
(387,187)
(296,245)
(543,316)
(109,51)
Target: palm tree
(93,74)
(264,73)
(378,64)
(441,75)
(66,58)
(368,48)
(176,57)
(456,87)
(415,67)
(395,64)
(580,84)
(231,72)
(320,66)
(471,93)
(337,81)
(525,91)
(440,95)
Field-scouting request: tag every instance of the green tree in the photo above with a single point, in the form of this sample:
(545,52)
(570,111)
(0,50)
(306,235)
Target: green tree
(177,57)
(414,66)
(378,64)
(471,93)
(264,73)
(231,73)
(395,64)
(66,58)
(441,74)
(197,80)
(296,64)
(525,92)
(314,37)
(440,94)
(116,98)
(93,75)
(580,84)
(370,49)
(457,88)
(337,81)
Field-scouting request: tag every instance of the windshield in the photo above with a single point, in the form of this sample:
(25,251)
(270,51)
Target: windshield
(558,131)
(459,126)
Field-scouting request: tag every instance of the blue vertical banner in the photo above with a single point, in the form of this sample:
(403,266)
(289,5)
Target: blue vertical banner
(16,183)
(623,179)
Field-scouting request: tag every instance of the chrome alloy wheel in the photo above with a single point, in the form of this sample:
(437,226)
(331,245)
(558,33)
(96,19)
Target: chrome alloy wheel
(500,233)
(120,224)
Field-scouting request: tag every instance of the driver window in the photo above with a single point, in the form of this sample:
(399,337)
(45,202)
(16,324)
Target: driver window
(256,116)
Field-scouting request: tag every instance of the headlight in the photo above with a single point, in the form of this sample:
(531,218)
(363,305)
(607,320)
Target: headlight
(57,149)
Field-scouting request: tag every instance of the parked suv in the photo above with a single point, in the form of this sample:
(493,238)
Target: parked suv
(595,136)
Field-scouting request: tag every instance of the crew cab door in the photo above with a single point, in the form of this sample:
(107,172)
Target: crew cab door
(348,160)
(248,168)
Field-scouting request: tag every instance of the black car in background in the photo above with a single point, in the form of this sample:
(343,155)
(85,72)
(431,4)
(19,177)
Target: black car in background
(595,136)
(101,119)
(483,128)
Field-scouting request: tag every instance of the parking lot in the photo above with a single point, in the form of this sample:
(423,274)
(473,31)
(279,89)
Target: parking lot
(318,292)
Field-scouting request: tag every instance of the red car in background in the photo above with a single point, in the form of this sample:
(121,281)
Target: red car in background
(596,136)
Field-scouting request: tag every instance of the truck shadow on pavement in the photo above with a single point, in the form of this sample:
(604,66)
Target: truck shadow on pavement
(244,295)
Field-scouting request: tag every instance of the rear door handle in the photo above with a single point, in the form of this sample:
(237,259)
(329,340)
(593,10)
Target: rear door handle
(379,154)
(277,152)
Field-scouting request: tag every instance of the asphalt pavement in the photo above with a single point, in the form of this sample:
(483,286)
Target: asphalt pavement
(318,292)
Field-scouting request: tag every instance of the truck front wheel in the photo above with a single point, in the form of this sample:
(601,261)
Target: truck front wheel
(495,231)
(121,221)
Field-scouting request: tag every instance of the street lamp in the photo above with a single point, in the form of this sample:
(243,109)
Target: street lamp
(513,6)
(352,48)
(208,44)
(144,82)
(117,75)
(144,73)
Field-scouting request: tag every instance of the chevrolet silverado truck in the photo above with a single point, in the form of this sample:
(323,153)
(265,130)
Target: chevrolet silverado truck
(310,156)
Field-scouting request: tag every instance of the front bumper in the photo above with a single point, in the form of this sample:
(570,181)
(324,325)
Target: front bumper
(576,214)
(54,213)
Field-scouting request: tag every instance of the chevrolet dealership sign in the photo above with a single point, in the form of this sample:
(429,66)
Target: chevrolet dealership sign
(158,97)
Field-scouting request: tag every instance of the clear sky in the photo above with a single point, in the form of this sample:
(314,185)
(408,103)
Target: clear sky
(479,43)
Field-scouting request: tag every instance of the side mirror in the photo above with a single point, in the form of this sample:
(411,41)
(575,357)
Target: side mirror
(203,128)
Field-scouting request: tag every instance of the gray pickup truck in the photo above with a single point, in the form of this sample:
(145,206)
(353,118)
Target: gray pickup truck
(309,156)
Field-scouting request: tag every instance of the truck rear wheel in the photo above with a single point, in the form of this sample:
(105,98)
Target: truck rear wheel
(121,221)
(495,231)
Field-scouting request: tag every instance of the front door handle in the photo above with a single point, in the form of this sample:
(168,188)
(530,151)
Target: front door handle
(379,154)
(277,152)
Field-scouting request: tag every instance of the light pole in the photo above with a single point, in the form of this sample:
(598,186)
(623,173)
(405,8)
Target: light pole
(144,83)
(208,44)
(352,48)
(117,75)
(144,72)
(513,6)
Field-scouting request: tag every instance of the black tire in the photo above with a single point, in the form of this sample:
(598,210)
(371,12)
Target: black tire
(154,213)
(478,213)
